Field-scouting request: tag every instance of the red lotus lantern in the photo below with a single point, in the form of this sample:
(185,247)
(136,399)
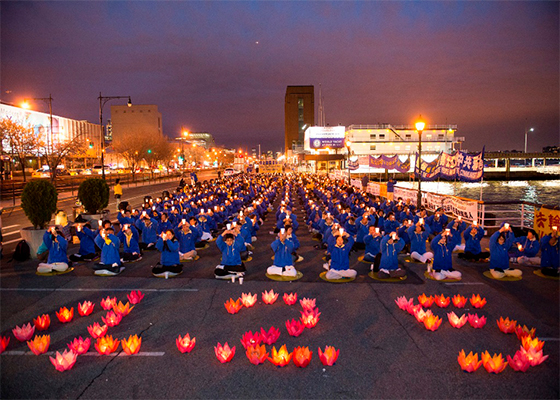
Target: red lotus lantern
(39,344)
(495,364)
(477,301)
(310,317)
(421,315)
(233,307)
(225,353)
(455,321)
(308,304)
(302,356)
(413,309)
(122,309)
(108,303)
(79,345)
(185,344)
(269,297)
(528,342)
(271,336)
(522,332)
(281,357)
(112,319)
(131,345)
(65,315)
(250,339)
(425,300)
(469,363)
(106,345)
(65,361)
(295,327)
(256,354)
(97,331)
(534,356)
(432,322)
(476,322)
(402,303)
(459,301)
(290,299)
(4,341)
(506,325)
(85,308)
(442,301)
(42,322)
(24,333)
(519,362)
(329,356)
(248,300)
(135,297)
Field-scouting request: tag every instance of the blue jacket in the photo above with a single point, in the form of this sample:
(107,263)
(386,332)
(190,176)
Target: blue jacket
(373,244)
(149,233)
(130,244)
(443,252)
(390,226)
(437,225)
(169,252)
(472,243)
(186,240)
(109,252)
(231,254)
(294,240)
(530,247)
(549,254)
(418,240)
(499,257)
(390,253)
(282,252)
(87,244)
(363,231)
(340,255)
(57,249)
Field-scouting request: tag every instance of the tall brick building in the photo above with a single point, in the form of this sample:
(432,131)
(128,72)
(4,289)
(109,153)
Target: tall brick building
(299,110)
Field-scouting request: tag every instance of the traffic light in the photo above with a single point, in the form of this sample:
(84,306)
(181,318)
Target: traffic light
(149,151)
(90,145)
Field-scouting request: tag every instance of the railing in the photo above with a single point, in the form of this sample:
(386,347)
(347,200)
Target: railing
(493,214)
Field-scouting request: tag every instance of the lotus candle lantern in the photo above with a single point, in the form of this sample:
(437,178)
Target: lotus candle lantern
(225,353)
(65,361)
(112,319)
(250,339)
(85,308)
(271,336)
(329,356)
(281,357)
(494,364)
(455,321)
(269,297)
(108,303)
(79,345)
(519,362)
(309,318)
(521,332)
(233,307)
(477,301)
(97,331)
(256,354)
(42,322)
(442,301)
(131,345)
(106,345)
(65,315)
(506,325)
(308,304)
(24,333)
(403,303)
(469,363)
(135,297)
(413,309)
(294,327)
(459,301)
(248,300)
(420,315)
(122,309)
(425,300)
(534,356)
(432,322)
(476,322)
(185,344)
(39,344)
(290,299)
(302,356)
(528,342)
(4,341)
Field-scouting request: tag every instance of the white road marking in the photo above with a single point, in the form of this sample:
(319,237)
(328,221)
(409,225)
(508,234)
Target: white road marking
(11,233)
(10,226)
(11,241)
(90,353)
(94,290)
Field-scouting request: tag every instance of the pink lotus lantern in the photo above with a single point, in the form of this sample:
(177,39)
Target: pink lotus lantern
(248,300)
(122,309)
(521,332)
(97,331)
(131,345)
(413,309)
(506,325)
(79,345)
(85,308)
(225,353)
(534,356)
(455,321)
(295,327)
(233,307)
(65,315)
(24,333)
(39,344)
(4,341)
(329,356)
(432,322)
(256,354)
(108,303)
(271,336)
(307,304)
(403,303)
(250,339)
(269,297)
(476,322)
(519,362)
(442,301)
(112,319)
(106,345)
(65,361)
(421,315)
(302,356)
(135,297)
(528,342)
(494,364)
(281,357)
(425,300)
(459,301)
(42,322)
(468,363)
(185,344)
(477,301)
(290,299)
(309,318)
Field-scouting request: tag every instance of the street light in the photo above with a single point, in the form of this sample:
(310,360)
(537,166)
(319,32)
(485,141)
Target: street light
(102,101)
(420,125)
(48,101)
(526,132)
(348,144)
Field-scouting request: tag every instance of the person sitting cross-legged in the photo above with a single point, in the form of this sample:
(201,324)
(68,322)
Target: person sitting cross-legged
(283,261)
(391,246)
(550,258)
(473,251)
(442,246)
(170,264)
(56,245)
(418,234)
(230,244)
(339,267)
(187,240)
(500,242)
(110,263)
(128,236)
(372,251)
(87,251)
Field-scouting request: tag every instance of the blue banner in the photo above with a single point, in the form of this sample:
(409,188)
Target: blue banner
(458,165)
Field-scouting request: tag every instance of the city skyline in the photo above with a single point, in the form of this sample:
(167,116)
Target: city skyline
(223,67)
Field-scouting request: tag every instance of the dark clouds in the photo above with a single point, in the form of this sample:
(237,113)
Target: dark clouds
(486,66)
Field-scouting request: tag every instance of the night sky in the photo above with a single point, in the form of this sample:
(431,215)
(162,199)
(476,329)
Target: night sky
(492,68)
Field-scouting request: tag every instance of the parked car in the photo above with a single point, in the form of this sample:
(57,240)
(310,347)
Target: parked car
(230,172)
(41,173)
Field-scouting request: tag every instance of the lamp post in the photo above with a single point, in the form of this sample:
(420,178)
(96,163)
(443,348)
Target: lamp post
(102,101)
(48,101)
(526,132)
(419,128)
(348,144)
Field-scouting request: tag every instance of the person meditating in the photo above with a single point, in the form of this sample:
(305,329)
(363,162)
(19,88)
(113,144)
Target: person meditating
(391,246)
(283,261)
(442,246)
(231,247)
(340,264)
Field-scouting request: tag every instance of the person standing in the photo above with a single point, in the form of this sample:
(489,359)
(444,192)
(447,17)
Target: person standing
(118,193)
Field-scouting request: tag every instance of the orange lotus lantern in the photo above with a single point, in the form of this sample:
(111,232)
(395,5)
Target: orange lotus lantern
(519,362)
(425,300)
(534,356)
(309,318)
(225,353)
(112,319)
(281,357)
(290,299)
(185,344)
(24,333)
(302,356)
(494,364)
(85,308)
(271,336)
(4,341)
(135,297)
(131,345)
(39,344)
(459,301)
(294,327)
(477,301)
(476,322)
(432,322)
(455,321)
(442,301)
(308,304)
(106,345)
(256,354)
(521,332)
(329,356)
(65,361)
(506,325)
(97,331)
(420,315)
(403,303)
(122,309)
(65,315)
(413,309)
(248,300)
(269,297)
(233,307)
(108,303)
(79,345)
(250,339)
(528,342)
(468,363)
(42,322)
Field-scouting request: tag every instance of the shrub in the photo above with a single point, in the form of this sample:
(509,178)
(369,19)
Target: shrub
(94,195)
(38,201)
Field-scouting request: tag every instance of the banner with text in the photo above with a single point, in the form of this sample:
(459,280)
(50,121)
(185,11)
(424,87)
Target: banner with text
(390,163)
(458,165)
(545,220)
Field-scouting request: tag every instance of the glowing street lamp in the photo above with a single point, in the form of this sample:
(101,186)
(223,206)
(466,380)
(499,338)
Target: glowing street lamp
(526,132)
(420,125)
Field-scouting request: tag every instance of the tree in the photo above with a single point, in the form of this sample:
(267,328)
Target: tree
(133,146)
(60,150)
(19,139)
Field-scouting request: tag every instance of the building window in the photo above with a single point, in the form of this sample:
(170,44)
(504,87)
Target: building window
(382,136)
(440,136)
(372,137)
(372,147)
(300,109)
(409,136)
